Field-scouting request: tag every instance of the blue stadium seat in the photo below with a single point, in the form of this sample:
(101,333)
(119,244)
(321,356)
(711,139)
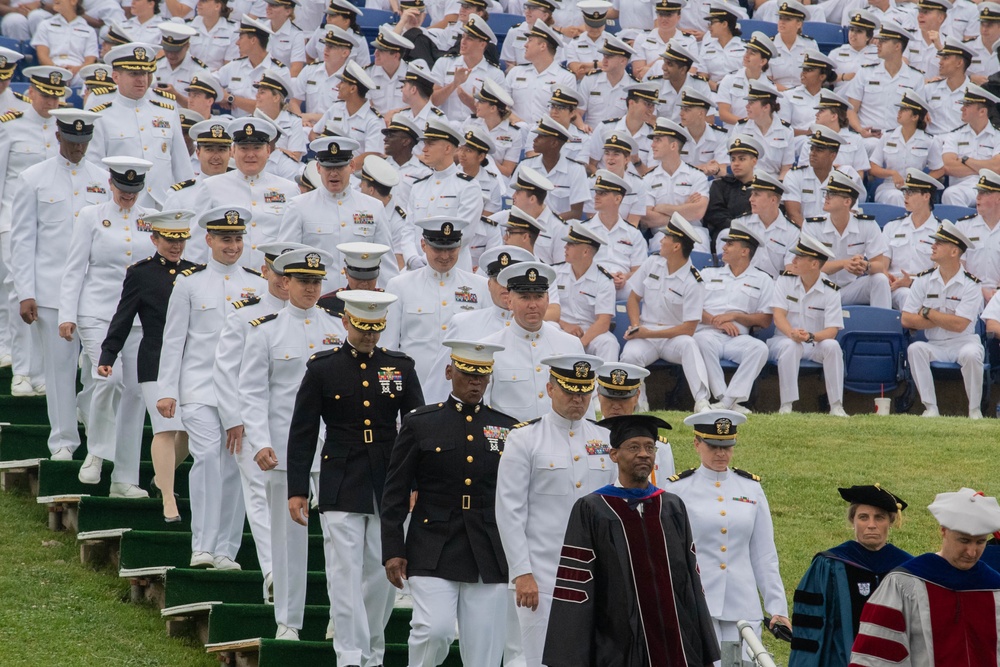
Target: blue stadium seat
(827,35)
(953,213)
(873,342)
(501,24)
(621,323)
(372,20)
(700,260)
(882,213)
(750,26)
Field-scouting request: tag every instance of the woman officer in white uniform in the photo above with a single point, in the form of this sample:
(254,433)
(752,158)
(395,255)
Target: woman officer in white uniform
(732,529)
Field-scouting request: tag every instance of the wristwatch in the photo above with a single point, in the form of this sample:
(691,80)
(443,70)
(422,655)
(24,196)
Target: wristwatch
(230,98)
(965,159)
(925,312)
(811,338)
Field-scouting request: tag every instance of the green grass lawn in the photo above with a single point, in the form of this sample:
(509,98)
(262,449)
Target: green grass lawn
(54,611)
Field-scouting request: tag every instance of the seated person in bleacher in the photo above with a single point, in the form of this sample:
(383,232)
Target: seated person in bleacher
(650,45)
(463,74)
(944,303)
(971,147)
(674,74)
(945,94)
(768,222)
(804,185)
(562,109)
(587,293)
(584,51)
(707,150)
(731,95)
(722,49)
(928,38)
(729,195)
(532,83)
(569,177)
(983,229)
(618,151)
(799,103)
(807,317)
(906,146)
(674,186)
(604,90)
(832,112)
(512,52)
(388,71)
(316,85)
(737,297)
(625,248)
(665,307)
(860,48)
(859,256)
(909,238)
(985,64)
(763,124)
(790,44)
(640,115)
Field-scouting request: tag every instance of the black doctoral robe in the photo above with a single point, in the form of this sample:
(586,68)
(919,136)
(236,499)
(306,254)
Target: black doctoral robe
(628,591)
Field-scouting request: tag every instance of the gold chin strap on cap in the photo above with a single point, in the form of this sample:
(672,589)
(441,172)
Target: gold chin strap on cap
(472,367)
(366,325)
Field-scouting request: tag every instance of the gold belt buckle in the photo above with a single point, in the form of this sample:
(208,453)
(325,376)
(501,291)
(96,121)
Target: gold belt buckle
(466,502)
(368,436)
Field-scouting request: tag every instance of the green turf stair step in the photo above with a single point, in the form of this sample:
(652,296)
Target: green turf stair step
(277,653)
(59,478)
(142,549)
(186,586)
(5,379)
(23,409)
(30,441)
(233,622)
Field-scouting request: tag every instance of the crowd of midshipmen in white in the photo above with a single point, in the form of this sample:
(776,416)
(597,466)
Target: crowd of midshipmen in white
(432,162)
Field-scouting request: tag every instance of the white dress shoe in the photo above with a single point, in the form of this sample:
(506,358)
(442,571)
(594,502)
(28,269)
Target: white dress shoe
(736,407)
(90,472)
(837,410)
(702,405)
(62,454)
(225,563)
(21,386)
(287,633)
(201,559)
(38,389)
(268,589)
(975,413)
(931,412)
(785,409)
(5,360)
(123,490)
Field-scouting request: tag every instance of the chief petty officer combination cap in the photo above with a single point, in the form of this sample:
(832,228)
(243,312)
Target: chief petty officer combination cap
(175,35)
(716,427)
(75,126)
(575,373)
(361,259)
(375,169)
(439,129)
(210,132)
(616,47)
(252,130)
(745,143)
(472,357)
(174,224)
(442,231)
(595,12)
(625,427)
(273,250)
(765,181)
(50,81)
(592,236)
(678,226)
(532,181)
(607,181)
(740,232)
(617,379)
(527,277)
(305,263)
(949,233)
(918,180)
(495,260)
(809,246)
(401,123)
(225,220)
(989,180)
(334,151)
(366,309)
(966,511)
(128,173)
(8,62)
(204,82)
(134,57)
(874,495)
(522,221)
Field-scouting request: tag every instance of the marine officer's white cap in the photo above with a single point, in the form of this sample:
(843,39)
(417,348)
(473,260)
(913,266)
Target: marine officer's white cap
(172,224)
(472,357)
(366,309)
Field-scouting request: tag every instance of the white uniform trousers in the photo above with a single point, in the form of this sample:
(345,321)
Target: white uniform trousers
(6,297)
(361,597)
(217,510)
(966,350)
(289,554)
(61,359)
(899,296)
(677,350)
(160,424)
(749,352)
(534,625)
(787,354)
(726,631)
(962,194)
(117,410)
(888,193)
(21,27)
(481,610)
(604,346)
(253,482)
(870,290)
(25,360)
(512,653)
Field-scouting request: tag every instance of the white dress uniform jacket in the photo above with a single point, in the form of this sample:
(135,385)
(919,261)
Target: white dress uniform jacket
(878,92)
(780,236)
(983,261)
(238,76)
(583,299)
(531,89)
(444,68)
(215,46)
(25,140)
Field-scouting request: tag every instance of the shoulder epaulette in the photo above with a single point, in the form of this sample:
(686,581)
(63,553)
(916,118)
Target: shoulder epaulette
(487,221)
(789,273)
(743,121)
(424,409)
(605,271)
(871,65)
(655,77)
(395,353)
(862,216)
(249,301)
(594,73)
(612,120)
(324,353)
(142,261)
(465,177)
(11,115)
(924,273)
(832,285)
(177,187)
(902,217)
(375,111)
(162,105)
(492,174)
(697,276)
(261,320)
(436,111)
(527,423)
(681,475)
(972,277)
(194,269)
(748,475)
(164,94)
(103,90)
(699,77)
(660,438)
(934,80)
(23,97)
(799,167)
(716,128)
(785,123)
(421,180)
(401,212)
(969,217)
(253,271)
(198,62)
(915,69)
(569,159)
(102,107)
(517,25)
(278,62)
(818,218)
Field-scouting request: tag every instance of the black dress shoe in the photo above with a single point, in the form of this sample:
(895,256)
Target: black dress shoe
(157,493)
(172,519)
